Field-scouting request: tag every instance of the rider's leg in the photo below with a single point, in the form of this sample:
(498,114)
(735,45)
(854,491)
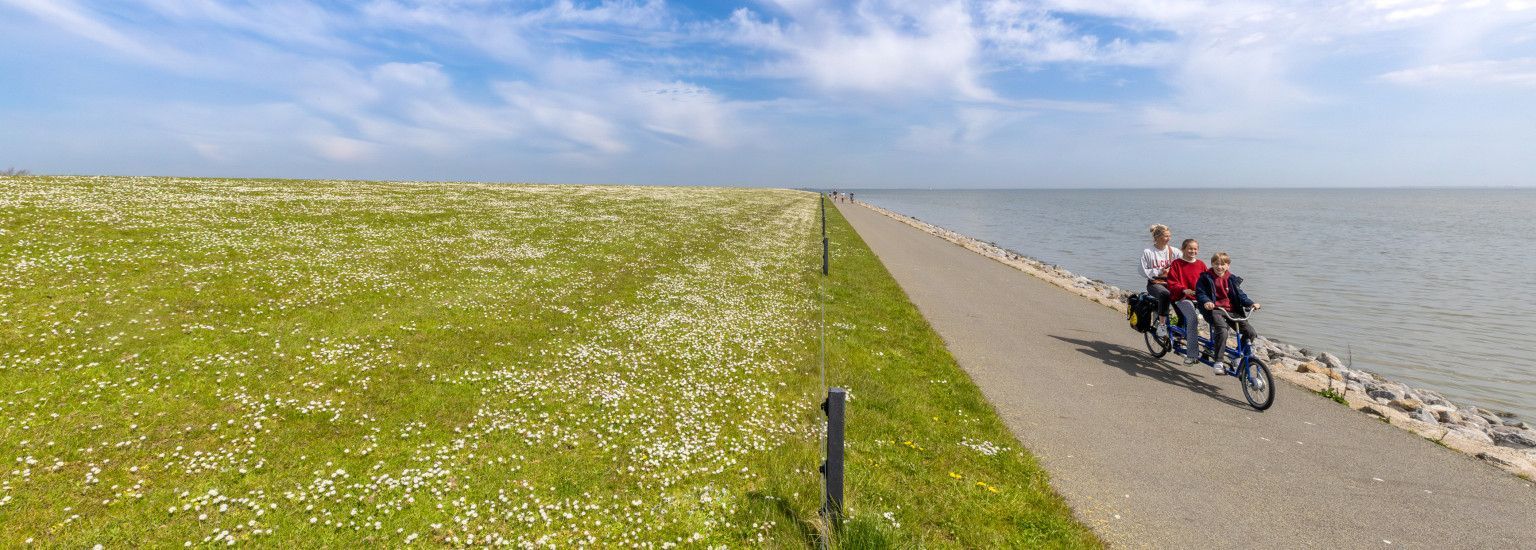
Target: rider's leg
(1160,293)
(1220,330)
(1191,330)
(1247,329)
(1221,325)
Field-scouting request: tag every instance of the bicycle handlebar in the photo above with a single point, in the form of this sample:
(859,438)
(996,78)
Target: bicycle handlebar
(1246,311)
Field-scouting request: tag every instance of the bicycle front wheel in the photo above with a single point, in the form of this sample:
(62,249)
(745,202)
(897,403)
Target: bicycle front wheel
(1258,387)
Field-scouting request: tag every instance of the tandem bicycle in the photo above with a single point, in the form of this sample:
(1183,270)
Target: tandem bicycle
(1253,374)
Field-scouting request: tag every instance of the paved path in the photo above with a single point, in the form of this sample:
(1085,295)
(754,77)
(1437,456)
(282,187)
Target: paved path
(1154,454)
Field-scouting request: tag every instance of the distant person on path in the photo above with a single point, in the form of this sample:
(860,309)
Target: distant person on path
(1154,266)
(1183,275)
(1218,291)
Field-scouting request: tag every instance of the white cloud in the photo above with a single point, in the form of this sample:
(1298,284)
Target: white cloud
(967,127)
(74,19)
(284,21)
(1027,32)
(246,133)
(420,76)
(210,151)
(1241,68)
(342,149)
(1519,73)
(560,120)
(684,111)
(875,47)
(629,81)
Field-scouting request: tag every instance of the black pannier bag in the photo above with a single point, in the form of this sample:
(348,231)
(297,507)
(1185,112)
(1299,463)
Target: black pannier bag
(1140,310)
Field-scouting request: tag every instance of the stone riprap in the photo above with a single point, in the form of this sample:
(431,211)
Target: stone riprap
(1498,438)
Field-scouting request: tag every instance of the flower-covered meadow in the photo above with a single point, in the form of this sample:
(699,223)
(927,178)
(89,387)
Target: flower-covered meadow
(326,363)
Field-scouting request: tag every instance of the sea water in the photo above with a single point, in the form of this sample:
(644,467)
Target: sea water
(1435,288)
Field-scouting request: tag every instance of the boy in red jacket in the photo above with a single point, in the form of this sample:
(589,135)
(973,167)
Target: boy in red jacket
(1183,275)
(1220,293)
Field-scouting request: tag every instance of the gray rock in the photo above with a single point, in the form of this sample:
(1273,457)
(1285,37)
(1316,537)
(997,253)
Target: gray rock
(1444,415)
(1474,420)
(1313,366)
(1381,393)
(1514,438)
(1331,360)
(1496,459)
(1304,352)
(1472,434)
(1354,387)
(1422,415)
(1372,410)
(1432,397)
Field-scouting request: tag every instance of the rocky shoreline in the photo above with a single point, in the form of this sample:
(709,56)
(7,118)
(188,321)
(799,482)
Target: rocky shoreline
(1495,437)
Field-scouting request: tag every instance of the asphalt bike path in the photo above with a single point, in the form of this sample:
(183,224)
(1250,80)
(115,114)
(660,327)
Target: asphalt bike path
(1152,453)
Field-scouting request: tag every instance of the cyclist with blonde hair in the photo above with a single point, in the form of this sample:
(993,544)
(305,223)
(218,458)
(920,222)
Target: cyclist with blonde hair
(1154,266)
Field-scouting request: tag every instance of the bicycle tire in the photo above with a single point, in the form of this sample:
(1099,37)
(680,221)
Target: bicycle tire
(1158,347)
(1258,385)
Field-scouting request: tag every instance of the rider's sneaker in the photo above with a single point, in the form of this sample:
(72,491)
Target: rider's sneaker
(1190,360)
(1161,333)
(1219,368)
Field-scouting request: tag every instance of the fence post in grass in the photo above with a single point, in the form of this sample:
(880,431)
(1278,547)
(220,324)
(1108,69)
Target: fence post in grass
(832,468)
(825,248)
(825,259)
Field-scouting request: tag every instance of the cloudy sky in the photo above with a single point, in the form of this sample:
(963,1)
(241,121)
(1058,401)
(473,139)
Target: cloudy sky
(1004,93)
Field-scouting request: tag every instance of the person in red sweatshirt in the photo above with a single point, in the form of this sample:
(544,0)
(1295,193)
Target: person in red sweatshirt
(1183,275)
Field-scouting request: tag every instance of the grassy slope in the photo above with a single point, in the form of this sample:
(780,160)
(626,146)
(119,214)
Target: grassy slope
(342,363)
(923,444)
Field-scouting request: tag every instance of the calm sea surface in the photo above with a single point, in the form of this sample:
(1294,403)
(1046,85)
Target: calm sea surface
(1432,287)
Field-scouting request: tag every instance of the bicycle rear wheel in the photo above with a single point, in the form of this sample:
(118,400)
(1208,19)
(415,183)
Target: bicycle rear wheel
(1158,347)
(1258,387)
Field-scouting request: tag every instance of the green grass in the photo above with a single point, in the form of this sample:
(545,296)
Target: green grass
(300,364)
(1333,395)
(916,422)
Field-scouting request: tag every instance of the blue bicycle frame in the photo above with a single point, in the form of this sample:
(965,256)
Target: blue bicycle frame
(1238,354)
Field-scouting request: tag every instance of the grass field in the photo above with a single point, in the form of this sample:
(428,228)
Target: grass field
(303,364)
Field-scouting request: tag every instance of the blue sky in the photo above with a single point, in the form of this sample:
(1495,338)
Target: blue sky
(1059,93)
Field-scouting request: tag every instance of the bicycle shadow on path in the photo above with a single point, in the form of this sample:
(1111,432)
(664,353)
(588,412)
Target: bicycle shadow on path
(1138,363)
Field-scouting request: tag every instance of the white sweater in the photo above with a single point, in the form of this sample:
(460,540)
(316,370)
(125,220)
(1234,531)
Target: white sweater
(1154,261)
